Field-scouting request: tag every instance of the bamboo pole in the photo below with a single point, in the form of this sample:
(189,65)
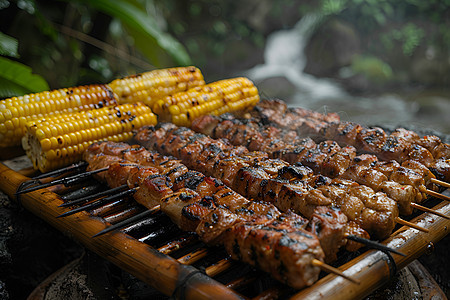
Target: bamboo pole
(372,267)
(139,259)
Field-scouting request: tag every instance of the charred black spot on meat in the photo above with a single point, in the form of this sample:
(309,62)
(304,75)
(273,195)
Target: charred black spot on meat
(173,170)
(164,162)
(215,218)
(390,144)
(286,241)
(322,180)
(207,202)
(188,215)
(193,182)
(271,194)
(244,210)
(226,194)
(186,197)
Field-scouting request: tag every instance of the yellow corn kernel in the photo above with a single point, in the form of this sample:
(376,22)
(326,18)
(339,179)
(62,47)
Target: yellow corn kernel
(17,111)
(53,142)
(214,98)
(151,86)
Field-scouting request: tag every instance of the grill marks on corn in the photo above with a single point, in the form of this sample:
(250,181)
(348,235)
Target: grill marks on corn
(16,112)
(59,140)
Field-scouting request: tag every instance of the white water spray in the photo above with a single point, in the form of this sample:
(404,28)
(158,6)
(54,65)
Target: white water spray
(284,57)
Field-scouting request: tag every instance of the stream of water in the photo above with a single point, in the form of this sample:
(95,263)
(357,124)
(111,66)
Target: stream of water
(284,58)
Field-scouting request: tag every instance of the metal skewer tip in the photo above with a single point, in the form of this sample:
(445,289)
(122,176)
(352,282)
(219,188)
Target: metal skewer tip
(99,202)
(409,224)
(67,181)
(373,244)
(61,171)
(327,268)
(129,221)
(94,196)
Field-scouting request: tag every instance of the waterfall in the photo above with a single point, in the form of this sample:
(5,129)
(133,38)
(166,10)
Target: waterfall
(284,57)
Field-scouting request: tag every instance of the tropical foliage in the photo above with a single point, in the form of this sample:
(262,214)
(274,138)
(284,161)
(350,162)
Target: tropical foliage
(77,42)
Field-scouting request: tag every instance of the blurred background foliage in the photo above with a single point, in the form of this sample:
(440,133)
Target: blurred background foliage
(78,42)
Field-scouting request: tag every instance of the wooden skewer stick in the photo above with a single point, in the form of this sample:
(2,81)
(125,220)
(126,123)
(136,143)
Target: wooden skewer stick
(429,210)
(406,223)
(440,182)
(221,266)
(192,257)
(327,268)
(435,194)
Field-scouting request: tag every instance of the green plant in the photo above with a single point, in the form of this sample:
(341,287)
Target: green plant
(372,68)
(16,78)
(81,41)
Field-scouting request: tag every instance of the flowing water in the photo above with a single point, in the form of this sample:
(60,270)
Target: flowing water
(284,58)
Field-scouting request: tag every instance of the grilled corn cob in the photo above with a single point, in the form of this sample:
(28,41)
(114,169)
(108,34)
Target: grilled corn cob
(54,142)
(15,112)
(215,98)
(151,86)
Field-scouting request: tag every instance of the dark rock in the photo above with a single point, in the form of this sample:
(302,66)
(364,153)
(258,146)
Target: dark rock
(30,249)
(3,291)
(331,47)
(431,71)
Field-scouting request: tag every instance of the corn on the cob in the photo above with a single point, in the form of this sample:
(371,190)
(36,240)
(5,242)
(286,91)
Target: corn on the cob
(53,142)
(215,98)
(151,86)
(15,112)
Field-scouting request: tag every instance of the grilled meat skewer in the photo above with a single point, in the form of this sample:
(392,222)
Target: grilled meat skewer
(246,175)
(220,216)
(401,145)
(402,184)
(98,156)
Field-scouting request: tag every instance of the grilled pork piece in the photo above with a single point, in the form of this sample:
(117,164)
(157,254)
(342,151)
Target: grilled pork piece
(400,145)
(329,225)
(248,176)
(325,158)
(253,232)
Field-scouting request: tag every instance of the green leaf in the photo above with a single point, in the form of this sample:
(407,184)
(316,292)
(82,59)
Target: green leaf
(141,23)
(16,79)
(8,45)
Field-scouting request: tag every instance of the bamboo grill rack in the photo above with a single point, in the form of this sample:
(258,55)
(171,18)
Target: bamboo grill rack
(179,265)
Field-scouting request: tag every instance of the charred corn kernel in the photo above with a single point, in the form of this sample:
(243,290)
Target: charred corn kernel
(15,112)
(151,86)
(53,142)
(215,98)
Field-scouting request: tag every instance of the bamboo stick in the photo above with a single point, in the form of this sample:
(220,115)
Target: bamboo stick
(372,267)
(193,257)
(139,259)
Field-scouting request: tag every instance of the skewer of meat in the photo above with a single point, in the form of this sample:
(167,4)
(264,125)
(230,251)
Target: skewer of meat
(258,177)
(404,185)
(401,145)
(172,168)
(221,216)
(293,118)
